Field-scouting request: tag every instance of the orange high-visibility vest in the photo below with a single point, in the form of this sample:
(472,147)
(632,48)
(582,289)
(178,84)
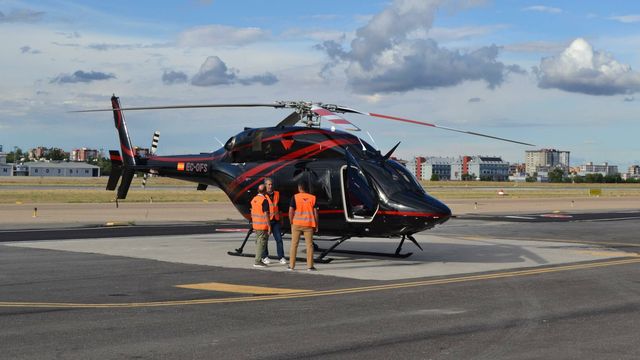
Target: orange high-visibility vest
(303,216)
(274,212)
(259,219)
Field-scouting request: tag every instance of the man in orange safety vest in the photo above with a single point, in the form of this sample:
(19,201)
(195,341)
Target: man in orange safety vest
(273,196)
(260,223)
(303,215)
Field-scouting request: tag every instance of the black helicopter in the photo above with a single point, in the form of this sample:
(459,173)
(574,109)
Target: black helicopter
(360,192)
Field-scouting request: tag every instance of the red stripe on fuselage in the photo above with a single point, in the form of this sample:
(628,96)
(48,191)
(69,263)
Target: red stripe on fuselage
(290,156)
(381,212)
(322,146)
(410,213)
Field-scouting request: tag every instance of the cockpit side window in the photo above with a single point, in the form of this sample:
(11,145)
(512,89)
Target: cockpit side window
(392,177)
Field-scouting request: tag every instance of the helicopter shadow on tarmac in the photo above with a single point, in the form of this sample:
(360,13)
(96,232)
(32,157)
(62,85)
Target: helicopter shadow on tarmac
(488,252)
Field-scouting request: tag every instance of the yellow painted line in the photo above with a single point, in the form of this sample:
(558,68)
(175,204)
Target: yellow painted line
(607,253)
(312,293)
(242,289)
(483,238)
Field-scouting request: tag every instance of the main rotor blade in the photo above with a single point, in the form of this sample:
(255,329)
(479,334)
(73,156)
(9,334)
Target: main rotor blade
(290,120)
(274,105)
(387,117)
(336,120)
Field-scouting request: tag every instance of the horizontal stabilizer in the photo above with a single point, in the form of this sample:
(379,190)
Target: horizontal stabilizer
(127,177)
(116,169)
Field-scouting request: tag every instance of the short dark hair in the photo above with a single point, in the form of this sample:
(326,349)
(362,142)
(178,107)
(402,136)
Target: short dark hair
(303,186)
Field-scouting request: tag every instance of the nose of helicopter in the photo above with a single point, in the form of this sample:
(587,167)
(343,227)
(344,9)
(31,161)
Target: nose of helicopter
(440,211)
(424,206)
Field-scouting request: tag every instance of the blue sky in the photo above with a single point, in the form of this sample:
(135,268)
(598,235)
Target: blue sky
(559,74)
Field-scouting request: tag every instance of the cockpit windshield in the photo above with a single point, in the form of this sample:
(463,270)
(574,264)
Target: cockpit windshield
(392,177)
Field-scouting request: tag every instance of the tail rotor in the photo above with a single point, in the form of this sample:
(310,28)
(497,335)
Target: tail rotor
(152,152)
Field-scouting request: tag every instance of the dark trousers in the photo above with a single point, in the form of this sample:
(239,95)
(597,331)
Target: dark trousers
(277,235)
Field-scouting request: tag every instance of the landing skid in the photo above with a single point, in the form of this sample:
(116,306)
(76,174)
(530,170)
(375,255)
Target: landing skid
(240,252)
(332,249)
(396,255)
(369,253)
(298,259)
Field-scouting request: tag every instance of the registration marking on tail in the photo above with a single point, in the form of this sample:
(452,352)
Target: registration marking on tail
(242,289)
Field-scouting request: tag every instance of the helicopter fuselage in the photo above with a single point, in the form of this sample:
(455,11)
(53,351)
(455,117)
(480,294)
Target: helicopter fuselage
(359,191)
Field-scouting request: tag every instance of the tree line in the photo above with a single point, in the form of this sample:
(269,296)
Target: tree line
(55,154)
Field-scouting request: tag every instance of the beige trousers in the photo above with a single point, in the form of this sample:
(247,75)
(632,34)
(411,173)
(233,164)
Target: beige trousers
(296,231)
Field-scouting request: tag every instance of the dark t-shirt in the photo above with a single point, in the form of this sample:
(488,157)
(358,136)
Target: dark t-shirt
(265,204)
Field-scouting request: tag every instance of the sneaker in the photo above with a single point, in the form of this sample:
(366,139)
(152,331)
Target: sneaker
(312,269)
(261,265)
(266,261)
(283,261)
(289,269)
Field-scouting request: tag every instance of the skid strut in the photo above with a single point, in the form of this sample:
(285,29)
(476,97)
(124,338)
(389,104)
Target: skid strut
(397,253)
(332,249)
(321,259)
(240,251)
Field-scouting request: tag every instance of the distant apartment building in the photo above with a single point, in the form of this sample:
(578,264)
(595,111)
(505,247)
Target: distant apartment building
(425,167)
(416,166)
(544,160)
(38,152)
(604,169)
(83,154)
(517,169)
(480,167)
(438,166)
(632,173)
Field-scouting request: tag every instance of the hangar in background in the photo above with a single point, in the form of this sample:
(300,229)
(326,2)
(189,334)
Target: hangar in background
(67,169)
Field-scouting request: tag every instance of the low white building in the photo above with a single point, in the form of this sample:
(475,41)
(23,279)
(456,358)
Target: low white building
(72,169)
(425,167)
(604,169)
(480,168)
(5,169)
(632,173)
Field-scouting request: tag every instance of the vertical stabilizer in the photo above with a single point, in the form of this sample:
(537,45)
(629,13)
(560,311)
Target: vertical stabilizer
(128,158)
(125,141)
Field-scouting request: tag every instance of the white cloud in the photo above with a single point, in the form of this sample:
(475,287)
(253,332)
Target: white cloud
(215,72)
(545,9)
(82,77)
(632,18)
(393,53)
(21,15)
(214,35)
(174,77)
(580,69)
